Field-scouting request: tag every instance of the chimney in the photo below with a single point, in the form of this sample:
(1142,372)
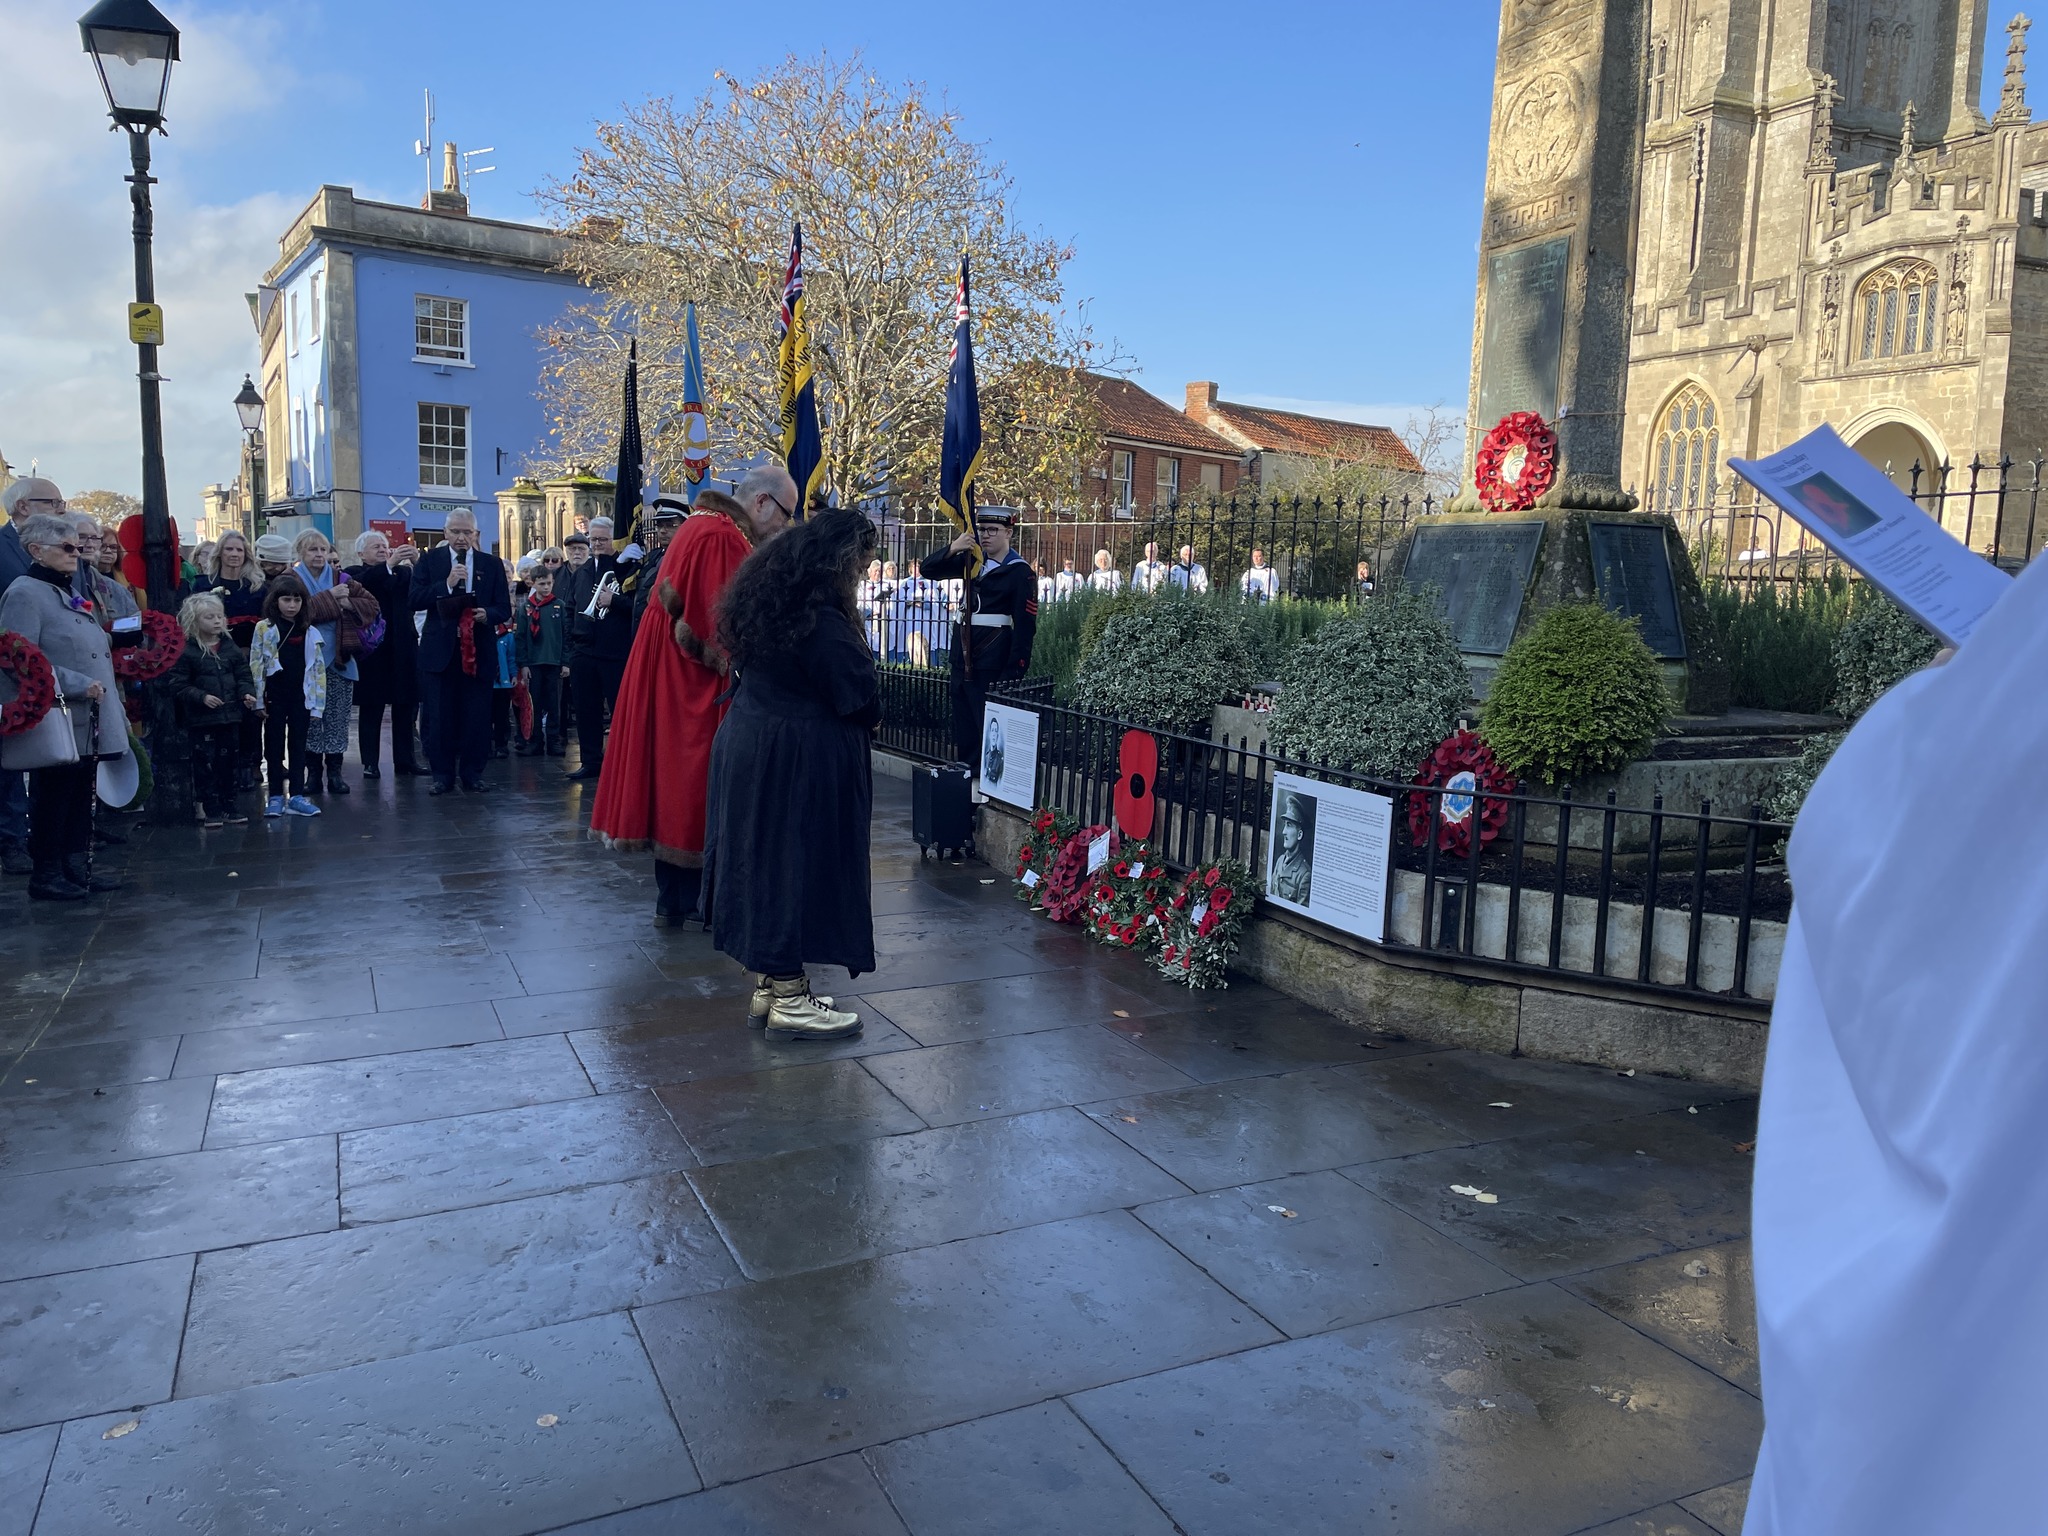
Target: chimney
(450,198)
(1201,400)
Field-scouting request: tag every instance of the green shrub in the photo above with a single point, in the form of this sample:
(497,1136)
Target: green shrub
(1879,645)
(1375,690)
(1780,638)
(1789,786)
(1579,693)
(1164,663)
(1271,630)
(1056,649)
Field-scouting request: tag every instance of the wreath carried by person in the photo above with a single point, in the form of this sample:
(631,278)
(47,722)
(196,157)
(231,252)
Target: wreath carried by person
(1127,899)
(1462,765)
(1203,922)
(1049,832)
(1066,885)
(163,642)
(1516,463)
(23,663)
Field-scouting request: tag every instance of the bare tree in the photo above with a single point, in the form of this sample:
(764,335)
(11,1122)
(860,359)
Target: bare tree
(1436,437)
(696,202)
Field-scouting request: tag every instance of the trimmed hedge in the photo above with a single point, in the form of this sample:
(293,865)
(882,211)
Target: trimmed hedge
(1880,645)
(1164,663)
(1375,690)
(1580,693)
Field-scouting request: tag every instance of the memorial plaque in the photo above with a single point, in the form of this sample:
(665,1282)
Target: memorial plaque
(1481,574)
(1632,572)
(1523,343)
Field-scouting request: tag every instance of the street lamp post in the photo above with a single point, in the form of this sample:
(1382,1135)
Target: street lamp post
(249,409)
(133,47)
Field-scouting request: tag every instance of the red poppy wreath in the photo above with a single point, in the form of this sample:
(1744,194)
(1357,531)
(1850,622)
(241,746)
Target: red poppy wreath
(1464,767)
(1517,463)
(23,663)
(163,642)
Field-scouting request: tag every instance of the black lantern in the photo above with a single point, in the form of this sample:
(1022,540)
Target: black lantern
(249,406)
(133,46)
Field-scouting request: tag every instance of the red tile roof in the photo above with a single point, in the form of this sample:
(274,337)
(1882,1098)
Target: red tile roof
(1130,413)
(1318,437)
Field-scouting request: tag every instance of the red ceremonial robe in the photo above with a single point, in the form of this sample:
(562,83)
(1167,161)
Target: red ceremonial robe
(657,767)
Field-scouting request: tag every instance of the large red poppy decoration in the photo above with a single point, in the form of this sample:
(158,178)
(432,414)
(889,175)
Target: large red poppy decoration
(1137,764)
(134,565)
(1463,766)
(1517,463)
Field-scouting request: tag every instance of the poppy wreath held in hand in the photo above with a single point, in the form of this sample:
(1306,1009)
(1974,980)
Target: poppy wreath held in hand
(1065,894)
(1516,463)
(1127,899)
(35,684)
(1463,764)
(1050,830)
(163,642)
(1203,923)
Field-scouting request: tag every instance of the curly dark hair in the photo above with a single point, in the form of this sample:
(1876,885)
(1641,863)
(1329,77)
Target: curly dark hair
(286,585)
(772,605)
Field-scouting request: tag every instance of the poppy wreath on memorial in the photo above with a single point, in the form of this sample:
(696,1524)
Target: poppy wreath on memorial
(163,642)
(23,663)
(1516,464)
(1464,766)
(1202,923)
(1066,884)
(1049,832)
(1127,898)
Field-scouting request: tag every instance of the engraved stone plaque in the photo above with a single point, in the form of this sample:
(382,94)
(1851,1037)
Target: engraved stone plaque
(1481,573)
(1524,338)
(1632,572)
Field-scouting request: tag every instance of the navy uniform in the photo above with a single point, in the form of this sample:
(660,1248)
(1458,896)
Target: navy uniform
(995,632)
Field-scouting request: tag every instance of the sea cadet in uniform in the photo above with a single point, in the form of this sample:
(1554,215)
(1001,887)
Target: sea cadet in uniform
(993,642)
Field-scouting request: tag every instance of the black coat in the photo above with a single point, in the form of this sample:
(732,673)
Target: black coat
(786,848)
(223,673)
(438,647)
(392,587)
(610,635)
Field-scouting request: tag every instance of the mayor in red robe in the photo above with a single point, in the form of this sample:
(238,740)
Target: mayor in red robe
(652,791)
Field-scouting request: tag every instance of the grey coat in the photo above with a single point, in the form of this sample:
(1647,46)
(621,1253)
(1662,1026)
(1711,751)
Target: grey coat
(80,654)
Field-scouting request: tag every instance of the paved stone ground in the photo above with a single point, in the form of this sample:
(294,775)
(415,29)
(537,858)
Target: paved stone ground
(391,1171)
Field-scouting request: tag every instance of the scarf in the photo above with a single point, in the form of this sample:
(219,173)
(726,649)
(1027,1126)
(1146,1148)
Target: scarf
(535,606)
(328,634)
(63,583)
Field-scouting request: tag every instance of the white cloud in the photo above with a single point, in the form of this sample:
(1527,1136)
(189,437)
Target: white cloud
(68,394)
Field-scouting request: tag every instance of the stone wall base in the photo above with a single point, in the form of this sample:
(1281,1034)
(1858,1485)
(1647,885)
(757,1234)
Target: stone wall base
(1381,990)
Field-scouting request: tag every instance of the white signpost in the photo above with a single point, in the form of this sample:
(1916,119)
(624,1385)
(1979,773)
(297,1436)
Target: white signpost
(1329,854)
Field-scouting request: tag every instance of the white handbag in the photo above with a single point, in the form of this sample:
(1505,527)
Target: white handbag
(51,743)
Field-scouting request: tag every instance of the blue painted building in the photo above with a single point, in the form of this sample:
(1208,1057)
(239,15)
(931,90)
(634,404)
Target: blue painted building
(402,359)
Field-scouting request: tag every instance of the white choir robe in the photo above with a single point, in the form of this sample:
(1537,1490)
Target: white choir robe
(1901,1199)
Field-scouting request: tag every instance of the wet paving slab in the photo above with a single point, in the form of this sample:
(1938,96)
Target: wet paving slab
(395,1171)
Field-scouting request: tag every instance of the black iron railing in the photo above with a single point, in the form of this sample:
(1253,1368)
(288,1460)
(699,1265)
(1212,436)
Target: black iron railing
(1664,900)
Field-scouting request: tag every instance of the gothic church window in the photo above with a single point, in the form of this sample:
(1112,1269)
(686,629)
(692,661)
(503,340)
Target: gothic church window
(1688,453)
(1894,311)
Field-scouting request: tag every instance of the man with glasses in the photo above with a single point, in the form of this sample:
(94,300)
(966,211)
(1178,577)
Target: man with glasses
(460,587)
(24,499)
(600,640)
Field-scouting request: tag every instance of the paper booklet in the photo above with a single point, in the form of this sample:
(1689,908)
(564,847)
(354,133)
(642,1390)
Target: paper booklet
(1847,502)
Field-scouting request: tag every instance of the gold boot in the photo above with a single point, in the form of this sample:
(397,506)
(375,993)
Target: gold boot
(794,1014)
(763,1000)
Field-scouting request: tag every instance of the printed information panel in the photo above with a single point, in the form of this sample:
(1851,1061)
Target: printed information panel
(1009,755)
(1329,854)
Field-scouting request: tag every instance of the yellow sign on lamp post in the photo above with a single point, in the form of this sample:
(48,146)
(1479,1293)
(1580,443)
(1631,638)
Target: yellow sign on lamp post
(146,324)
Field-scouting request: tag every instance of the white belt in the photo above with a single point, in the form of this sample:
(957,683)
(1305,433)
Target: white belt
(992,620)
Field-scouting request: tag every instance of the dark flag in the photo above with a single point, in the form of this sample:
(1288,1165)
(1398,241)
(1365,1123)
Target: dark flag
(960,448)
(802,446)
(626,498)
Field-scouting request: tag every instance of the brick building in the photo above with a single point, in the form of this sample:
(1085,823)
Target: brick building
(1152,455)
(1277,446)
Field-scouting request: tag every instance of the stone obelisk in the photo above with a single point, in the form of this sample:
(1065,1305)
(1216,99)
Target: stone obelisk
(1551,326)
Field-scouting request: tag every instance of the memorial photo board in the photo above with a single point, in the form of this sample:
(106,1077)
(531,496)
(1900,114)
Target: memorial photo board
(1632,574)
(1481,574)
(1009,755)
(1522,344)
(1330,853)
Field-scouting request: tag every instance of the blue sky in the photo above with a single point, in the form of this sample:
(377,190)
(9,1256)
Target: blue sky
(1283,198)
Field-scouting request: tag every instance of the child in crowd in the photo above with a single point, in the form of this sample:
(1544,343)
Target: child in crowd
(286,663)
(541,646)
(213,687)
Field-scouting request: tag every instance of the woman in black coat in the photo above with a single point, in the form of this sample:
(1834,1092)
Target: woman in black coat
(390,674)
(786,851)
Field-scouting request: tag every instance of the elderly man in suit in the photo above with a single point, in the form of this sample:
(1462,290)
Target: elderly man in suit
(465,596)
